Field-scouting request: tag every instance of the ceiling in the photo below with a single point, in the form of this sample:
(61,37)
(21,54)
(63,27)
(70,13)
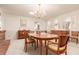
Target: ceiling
(52,10)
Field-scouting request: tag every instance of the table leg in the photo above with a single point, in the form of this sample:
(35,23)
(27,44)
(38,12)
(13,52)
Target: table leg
(45,43)
(40,47)
(25,47)
(37,43)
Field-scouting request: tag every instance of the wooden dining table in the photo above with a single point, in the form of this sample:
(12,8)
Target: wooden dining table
(43,36)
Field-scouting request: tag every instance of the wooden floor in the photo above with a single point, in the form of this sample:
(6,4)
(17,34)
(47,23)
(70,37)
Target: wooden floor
(17,48)
(4,44)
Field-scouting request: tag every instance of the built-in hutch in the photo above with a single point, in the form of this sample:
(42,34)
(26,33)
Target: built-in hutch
(2,35)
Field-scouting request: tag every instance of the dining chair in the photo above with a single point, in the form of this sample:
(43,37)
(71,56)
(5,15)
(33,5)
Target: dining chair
(29,40)
(59,47)
(59,33)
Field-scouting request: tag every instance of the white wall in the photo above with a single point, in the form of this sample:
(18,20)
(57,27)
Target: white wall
(1,20)
(11,23)
(73,16)
(30,23)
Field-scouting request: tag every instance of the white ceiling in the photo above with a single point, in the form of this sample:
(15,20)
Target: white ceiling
(52,10)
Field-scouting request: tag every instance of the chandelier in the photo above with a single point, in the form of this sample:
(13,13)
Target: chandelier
(39,12)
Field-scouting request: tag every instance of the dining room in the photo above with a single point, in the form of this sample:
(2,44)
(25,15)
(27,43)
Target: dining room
(39,29)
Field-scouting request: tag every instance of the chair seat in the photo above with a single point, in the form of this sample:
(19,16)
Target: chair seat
(55,47)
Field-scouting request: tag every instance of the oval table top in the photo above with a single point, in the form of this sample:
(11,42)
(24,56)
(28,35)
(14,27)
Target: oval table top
(43,36)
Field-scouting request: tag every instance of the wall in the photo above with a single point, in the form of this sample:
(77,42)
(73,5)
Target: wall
(11,26)
(11,23)
(1,20)
(72,17)
(30,23)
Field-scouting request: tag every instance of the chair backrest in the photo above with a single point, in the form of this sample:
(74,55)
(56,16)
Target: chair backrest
(63,40)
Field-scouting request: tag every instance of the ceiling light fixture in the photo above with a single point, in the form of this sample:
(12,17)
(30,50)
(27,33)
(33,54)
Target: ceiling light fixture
(39,12)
